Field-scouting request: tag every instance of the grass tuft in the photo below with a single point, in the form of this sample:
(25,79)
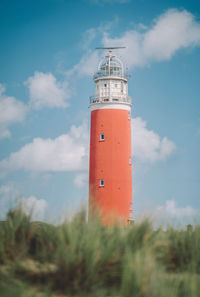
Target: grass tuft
(80,258)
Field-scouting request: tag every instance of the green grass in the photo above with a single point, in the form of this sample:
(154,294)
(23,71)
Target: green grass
(78,258)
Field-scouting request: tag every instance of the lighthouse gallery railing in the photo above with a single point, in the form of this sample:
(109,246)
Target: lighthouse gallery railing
(106,99)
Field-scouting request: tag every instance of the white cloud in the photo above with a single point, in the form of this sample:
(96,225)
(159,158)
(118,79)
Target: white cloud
(87,37)
(81,180)
(34,207)
(87,64)
(46,91)
(90,59)
(171,31)
(171,210)
(11,111)
(68,152)
(147,146)
(10,197)
(170,213)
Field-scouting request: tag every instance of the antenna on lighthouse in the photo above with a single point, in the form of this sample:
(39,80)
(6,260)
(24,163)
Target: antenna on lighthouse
(110,48)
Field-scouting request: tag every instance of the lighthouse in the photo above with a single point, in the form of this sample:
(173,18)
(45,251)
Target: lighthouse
(110,169)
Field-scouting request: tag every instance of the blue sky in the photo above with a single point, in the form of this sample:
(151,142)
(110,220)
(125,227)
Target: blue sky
(47,61)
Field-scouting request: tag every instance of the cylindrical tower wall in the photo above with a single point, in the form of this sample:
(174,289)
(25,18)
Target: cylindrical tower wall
(111,163)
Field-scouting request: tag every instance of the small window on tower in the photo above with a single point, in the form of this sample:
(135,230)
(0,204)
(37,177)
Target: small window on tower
(102,137)
(101,182)
(105,85)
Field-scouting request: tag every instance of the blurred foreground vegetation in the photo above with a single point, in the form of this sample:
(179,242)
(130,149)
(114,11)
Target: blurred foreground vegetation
(78,258)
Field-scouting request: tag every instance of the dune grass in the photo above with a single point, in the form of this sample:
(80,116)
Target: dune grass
(80,258)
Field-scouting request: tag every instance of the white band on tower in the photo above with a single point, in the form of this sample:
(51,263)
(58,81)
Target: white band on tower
(110,106)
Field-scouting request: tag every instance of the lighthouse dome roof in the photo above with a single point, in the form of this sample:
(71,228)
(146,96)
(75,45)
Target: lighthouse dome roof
(110,66)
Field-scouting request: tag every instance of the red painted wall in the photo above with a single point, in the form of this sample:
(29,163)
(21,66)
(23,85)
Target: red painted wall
(110,160)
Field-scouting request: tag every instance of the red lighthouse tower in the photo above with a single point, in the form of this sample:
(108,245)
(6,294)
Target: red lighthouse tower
(110,176)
